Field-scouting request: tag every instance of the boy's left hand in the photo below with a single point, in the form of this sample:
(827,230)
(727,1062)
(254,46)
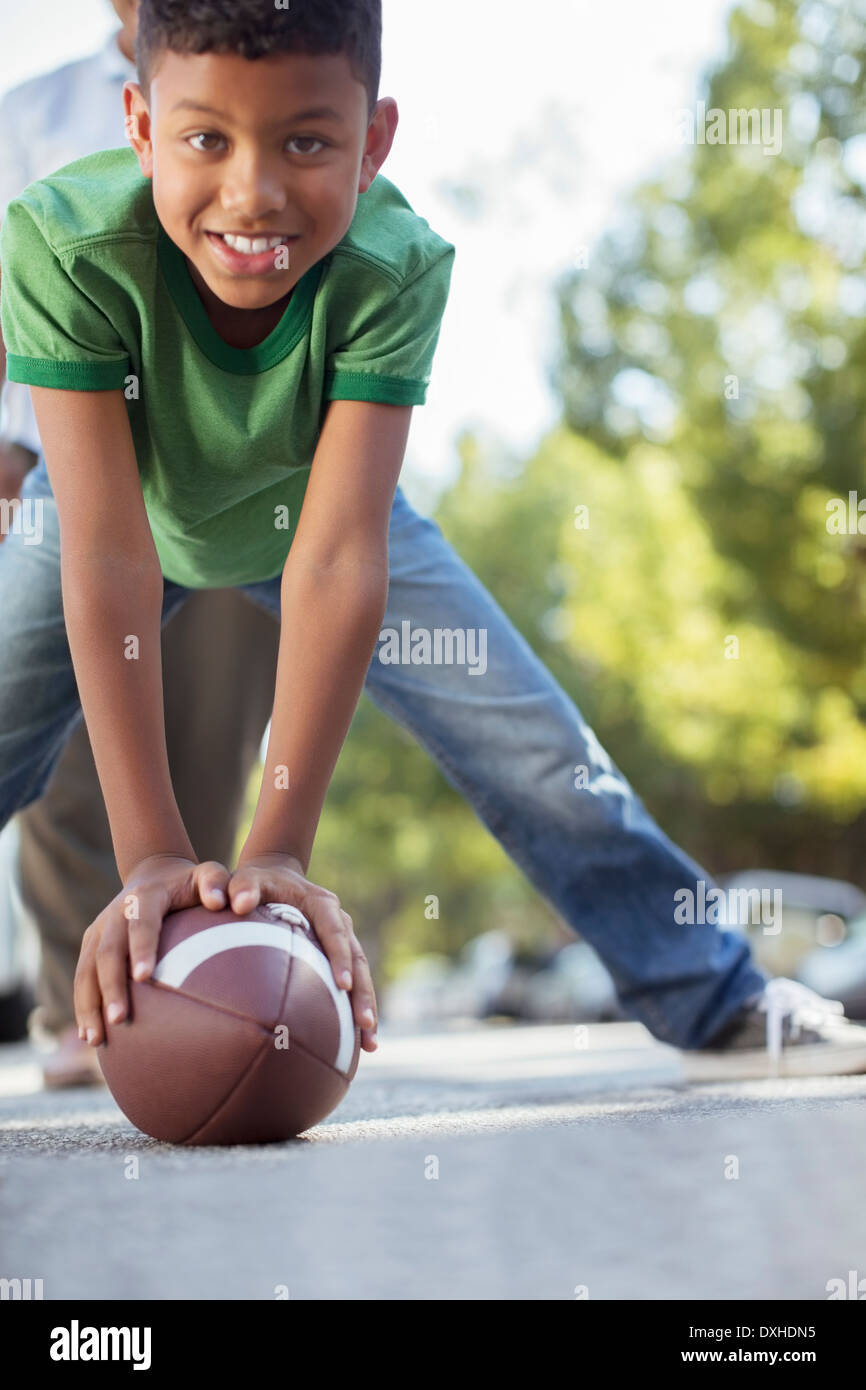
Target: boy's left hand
(278,878)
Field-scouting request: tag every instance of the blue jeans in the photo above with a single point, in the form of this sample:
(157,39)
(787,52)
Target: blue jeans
(501,729)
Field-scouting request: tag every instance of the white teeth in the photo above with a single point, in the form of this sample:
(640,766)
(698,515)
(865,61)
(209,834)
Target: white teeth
(252,246)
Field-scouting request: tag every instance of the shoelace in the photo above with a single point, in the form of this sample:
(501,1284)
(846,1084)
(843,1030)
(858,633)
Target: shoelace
(788,999)
(285,912)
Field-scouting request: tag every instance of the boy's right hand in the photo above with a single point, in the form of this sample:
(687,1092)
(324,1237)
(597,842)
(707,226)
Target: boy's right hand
(124,938)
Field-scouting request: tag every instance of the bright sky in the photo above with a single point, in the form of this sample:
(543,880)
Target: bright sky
(543,117)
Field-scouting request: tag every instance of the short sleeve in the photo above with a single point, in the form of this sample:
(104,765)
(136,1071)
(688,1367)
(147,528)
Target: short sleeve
(387,351)
(54,334)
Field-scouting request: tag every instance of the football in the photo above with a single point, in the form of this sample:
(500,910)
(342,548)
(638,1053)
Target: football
(240,1036)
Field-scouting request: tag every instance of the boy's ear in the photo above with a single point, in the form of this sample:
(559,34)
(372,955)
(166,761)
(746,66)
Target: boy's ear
(380,138)
(138,126)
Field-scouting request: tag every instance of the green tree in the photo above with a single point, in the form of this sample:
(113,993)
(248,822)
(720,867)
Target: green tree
(722,323)
(666,551)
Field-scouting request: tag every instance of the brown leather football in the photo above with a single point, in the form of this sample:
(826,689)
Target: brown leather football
(240,1036)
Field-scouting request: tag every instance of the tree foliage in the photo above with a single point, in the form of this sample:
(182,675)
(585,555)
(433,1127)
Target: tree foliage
(668,551)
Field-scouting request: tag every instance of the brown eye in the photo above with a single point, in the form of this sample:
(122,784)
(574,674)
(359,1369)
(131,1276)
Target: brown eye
(306,140)
(204,136)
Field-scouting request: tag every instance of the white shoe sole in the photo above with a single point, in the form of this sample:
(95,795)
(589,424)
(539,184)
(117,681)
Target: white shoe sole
(797,1059)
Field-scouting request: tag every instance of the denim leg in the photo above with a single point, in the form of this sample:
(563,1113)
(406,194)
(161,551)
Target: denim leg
(39,704)
(510,740)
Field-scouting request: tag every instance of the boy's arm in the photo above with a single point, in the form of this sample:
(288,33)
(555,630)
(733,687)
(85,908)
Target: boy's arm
(112,604)
(334,597)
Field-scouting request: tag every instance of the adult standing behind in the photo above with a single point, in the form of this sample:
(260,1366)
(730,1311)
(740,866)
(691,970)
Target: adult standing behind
(219,653)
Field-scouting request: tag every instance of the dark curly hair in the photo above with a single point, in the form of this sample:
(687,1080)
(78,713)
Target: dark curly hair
(255,28)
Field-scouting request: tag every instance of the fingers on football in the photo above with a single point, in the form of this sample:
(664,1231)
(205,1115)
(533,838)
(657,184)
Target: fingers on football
(245,888)
(86,996)
(212,882)
(333,927)
(363,994)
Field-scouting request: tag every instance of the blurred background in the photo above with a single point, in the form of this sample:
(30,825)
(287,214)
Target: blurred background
(648,390)
(706,357)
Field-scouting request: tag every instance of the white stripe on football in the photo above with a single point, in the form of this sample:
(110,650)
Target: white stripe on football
(181,960)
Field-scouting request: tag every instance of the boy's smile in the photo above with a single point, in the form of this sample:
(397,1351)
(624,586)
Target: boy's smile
(248,253)
(256,168)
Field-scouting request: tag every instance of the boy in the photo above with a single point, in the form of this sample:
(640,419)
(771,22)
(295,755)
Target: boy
(59,848)
(230,334)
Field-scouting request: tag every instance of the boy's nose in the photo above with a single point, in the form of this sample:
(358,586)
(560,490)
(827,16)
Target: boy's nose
(252,190)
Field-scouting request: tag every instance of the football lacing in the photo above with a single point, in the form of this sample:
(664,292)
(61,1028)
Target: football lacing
(287,912)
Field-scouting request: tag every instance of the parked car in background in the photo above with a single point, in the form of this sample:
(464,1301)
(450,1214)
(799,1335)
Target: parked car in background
(802,926)
(821,935)
(490,980)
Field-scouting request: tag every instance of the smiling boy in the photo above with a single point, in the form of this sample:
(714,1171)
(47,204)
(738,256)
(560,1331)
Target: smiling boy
(225,338)
(224,344)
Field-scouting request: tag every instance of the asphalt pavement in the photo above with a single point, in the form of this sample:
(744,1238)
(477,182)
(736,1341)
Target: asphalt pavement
(479,1162)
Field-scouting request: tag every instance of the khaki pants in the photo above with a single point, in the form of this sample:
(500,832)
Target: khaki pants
(219,670)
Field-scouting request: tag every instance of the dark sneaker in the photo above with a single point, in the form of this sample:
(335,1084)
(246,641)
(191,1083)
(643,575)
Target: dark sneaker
(15,1010)
(788,1030)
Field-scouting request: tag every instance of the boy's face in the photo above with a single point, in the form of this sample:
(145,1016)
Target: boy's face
(232,155)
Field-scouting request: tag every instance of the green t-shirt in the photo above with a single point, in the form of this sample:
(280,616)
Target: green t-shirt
(96,297)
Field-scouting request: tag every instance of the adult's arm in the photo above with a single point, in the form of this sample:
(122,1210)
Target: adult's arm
(15,459)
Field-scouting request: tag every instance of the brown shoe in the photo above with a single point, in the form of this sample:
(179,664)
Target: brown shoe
(72,1063)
